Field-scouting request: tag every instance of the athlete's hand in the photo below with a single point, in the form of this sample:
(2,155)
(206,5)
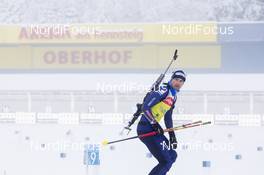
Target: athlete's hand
(158,128)
(173,140)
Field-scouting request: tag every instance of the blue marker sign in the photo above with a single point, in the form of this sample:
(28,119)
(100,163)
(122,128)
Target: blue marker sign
(92,154)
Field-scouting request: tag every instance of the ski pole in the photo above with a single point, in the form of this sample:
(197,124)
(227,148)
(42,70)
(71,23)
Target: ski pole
(191,125)
(153,133)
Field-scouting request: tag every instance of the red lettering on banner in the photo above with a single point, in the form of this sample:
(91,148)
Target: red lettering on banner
(23,33)
(87,57)
(75,57)
(99,56)
(49,57)
(127,56)
(63,57)
(44,32)
(114,57)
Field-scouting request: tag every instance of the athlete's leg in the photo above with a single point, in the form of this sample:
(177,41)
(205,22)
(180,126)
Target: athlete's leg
(164,156)
(155,145)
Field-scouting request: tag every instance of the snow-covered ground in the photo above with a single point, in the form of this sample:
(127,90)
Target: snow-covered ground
(25,149)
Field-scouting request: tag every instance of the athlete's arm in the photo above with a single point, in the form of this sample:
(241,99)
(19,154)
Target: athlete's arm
(168,118)
(169,124)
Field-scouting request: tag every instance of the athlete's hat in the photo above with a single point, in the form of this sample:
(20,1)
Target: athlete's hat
(179,74)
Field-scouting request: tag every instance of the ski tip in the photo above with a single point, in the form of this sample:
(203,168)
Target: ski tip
(105,142)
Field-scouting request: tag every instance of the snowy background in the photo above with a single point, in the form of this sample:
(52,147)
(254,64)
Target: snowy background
(119,11)
(64,108)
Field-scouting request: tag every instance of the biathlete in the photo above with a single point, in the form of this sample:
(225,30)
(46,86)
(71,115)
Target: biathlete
(157,105)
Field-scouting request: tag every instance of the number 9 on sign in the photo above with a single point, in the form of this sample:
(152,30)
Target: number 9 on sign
(91,155)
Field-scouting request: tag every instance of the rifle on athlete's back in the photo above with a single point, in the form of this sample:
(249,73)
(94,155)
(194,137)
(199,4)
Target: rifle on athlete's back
(154,87)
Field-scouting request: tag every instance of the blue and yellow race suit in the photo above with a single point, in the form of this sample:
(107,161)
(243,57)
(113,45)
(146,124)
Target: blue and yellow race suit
(157,105)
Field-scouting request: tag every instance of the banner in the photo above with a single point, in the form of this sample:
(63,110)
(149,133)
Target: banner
(108,57)
(109,33)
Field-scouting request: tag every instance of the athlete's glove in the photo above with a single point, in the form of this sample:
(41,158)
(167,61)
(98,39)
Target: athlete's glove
(156,126)
(173,140)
